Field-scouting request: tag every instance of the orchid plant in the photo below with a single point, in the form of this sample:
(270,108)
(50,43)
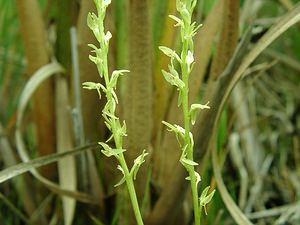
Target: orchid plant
(117,128)
(180,79)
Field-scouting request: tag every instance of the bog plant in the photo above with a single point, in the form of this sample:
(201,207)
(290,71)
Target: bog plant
(177,78)
(118,129)
(180,79)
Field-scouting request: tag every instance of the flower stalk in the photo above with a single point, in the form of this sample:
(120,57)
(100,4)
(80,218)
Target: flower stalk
(118,130)
(184,136)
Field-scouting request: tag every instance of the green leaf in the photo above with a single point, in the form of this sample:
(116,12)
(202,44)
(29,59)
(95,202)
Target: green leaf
(114,77)
(92,21)
(194,110)
(95,60)
(173,80)
(137,163)
(107,37)
(93,47)
(191,140)
(106,113)
(169,52)
(110,138)
(115,97)
(179,101)
(193,4)
(122,179)
(92,86)
(198,178)
(186,15)
(123,130)
(108,126)
(120,182)
(176,128)
(108,151)
(173,71)
(188,162)
(109,109)
(195,28)
(179,21)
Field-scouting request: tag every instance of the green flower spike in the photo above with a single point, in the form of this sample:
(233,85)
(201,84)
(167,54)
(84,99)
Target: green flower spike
(100,58)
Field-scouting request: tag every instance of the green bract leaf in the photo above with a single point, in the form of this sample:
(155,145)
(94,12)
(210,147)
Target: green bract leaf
(194,110)
(106,148)
(195,28)
(92,21)
(188,162)
(179,21)
(176,128)
(109,110)
(186,15)
(107,37)
(169,52)
(191,140)
(173,80)
(93,47)
(173,71)
(109,127)
(114,77)
(92,86)
(198,178)
(193,4)
(108,151)
(179,5)
(123,178)
(120,182)
(95,59)
(110,138)
(106,113)
(179,101)
(137,163)
(110,107)
(114,95)
(122,130)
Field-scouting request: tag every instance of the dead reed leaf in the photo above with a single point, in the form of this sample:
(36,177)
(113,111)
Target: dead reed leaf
(36,79)
(67,166)
(274,32)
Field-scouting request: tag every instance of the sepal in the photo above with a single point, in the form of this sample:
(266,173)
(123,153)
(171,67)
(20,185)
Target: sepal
(137,163)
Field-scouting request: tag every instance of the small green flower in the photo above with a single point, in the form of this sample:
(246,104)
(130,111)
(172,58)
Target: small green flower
(206,198)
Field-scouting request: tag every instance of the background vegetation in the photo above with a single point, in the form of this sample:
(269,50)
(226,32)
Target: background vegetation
(247,144)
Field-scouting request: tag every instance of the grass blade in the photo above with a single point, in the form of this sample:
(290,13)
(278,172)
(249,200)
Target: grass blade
(67,166)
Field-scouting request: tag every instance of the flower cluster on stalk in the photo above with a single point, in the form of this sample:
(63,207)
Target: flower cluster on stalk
(112,122)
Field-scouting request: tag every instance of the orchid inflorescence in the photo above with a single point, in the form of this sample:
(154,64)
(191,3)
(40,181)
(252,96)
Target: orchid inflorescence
(118,129)
(180,79)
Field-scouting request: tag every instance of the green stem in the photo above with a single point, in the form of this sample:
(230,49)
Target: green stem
(118,142)
(128,176)
(131,190)
(190,154)
(187,141)
(113,121)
